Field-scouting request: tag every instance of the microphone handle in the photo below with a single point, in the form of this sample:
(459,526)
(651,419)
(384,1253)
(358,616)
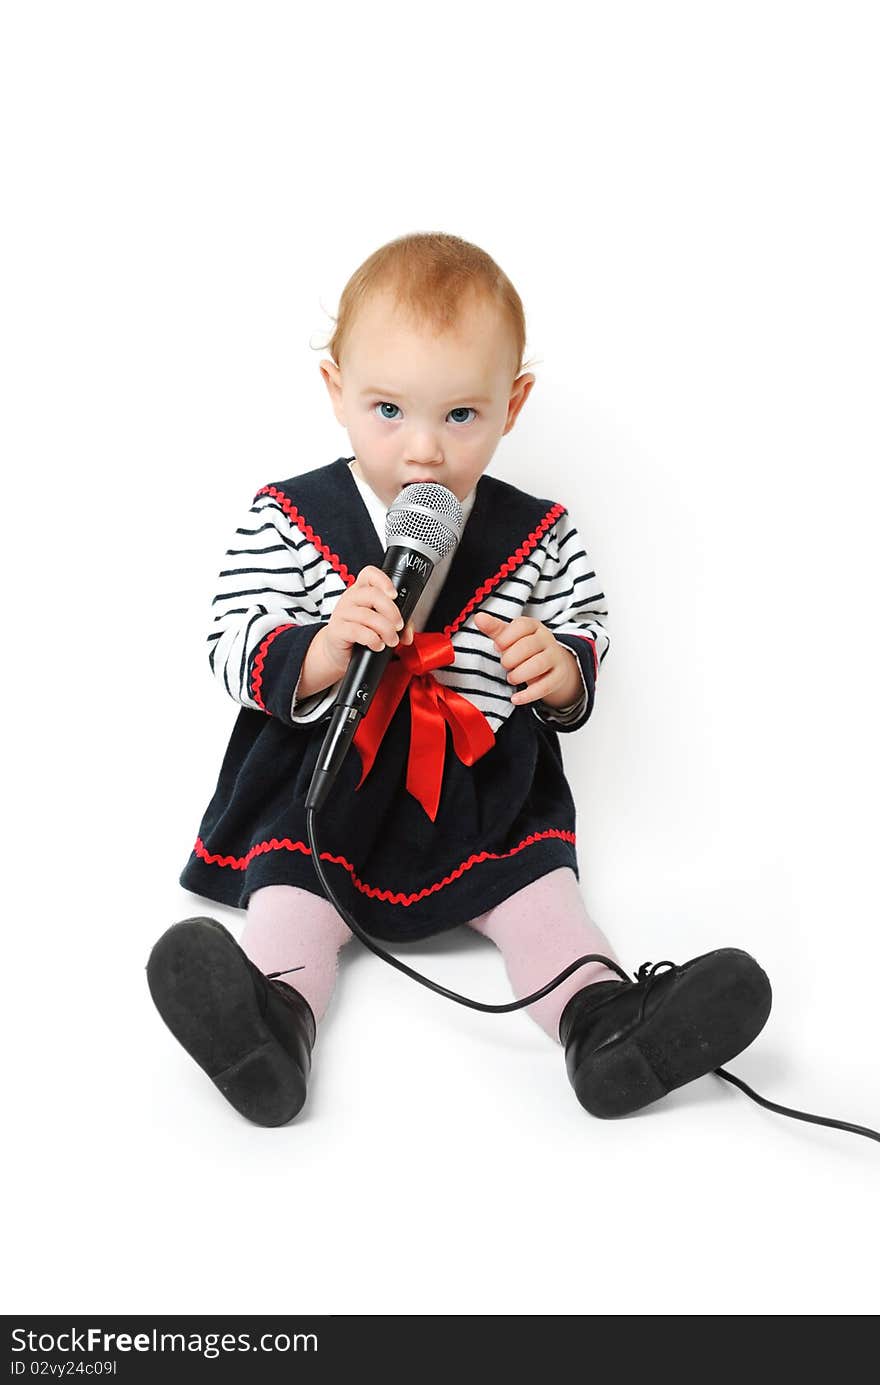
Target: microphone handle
(409,571)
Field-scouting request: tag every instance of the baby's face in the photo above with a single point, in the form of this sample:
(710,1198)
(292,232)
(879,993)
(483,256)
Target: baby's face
(423,407)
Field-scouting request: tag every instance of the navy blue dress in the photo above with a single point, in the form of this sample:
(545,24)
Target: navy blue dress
(502,821)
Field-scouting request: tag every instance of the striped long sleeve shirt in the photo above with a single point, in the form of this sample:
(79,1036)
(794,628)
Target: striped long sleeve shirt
(275,574)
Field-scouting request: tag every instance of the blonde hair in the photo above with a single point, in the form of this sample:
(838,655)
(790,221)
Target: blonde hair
(430,273)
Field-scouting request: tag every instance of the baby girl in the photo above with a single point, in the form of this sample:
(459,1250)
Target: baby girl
(422,832)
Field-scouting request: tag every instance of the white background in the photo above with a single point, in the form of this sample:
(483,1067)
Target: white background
(685,197)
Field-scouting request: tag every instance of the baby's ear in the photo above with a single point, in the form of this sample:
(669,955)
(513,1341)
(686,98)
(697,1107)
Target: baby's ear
(332,377)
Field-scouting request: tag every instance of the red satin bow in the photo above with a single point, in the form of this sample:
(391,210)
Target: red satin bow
(432,705)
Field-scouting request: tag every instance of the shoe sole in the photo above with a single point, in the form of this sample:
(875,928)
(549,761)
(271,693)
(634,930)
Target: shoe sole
(203,989)
(714,1012)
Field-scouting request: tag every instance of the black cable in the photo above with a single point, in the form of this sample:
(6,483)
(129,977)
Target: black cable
(417,976)
(537,995)
(797,1115)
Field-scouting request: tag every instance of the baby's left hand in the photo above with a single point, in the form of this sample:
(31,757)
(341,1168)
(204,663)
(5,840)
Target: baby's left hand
(532,654)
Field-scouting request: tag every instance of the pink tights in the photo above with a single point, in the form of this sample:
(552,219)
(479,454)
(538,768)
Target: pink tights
(539,931)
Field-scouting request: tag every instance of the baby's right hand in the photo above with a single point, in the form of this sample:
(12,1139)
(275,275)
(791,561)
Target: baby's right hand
(366,613)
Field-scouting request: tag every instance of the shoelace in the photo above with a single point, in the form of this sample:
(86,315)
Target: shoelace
(645,977)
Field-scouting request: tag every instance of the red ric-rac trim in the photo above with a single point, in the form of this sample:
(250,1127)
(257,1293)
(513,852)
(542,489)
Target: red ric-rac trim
(506,568)
(308,532)
(259,659)
(389,896)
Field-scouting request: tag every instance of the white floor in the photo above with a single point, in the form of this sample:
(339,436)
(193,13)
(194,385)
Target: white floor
(441,1163)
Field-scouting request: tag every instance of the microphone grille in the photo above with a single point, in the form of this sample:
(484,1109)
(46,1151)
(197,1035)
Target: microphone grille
(428,514)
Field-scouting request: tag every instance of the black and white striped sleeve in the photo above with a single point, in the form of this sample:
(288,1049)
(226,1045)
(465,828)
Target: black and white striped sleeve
(568,599)
(265,614)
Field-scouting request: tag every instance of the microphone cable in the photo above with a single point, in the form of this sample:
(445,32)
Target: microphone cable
(545,990)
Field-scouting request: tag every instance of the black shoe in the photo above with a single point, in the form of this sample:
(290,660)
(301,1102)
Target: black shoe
(253,1035)
(629,1043)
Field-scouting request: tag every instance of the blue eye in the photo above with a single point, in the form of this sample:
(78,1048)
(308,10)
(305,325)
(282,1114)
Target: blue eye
(390,417)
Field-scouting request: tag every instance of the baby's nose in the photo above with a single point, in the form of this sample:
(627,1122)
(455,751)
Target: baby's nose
(424,449)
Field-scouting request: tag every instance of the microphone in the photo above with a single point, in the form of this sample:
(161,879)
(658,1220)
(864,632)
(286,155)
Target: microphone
(422,526)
